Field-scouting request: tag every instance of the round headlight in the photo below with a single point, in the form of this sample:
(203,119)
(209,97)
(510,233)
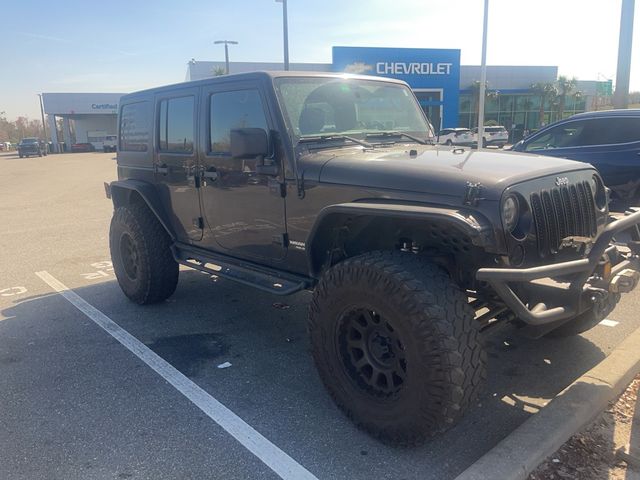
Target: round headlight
(510,212)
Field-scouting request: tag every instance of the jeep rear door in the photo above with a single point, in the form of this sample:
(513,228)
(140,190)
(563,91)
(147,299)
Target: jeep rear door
(244,211)
(175,160)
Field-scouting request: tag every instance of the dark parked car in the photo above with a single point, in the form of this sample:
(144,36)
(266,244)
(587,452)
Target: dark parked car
(82,147)
(291,181)
(31,146)
(608,140)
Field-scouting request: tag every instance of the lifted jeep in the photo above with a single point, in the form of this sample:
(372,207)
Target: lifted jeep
(291,181)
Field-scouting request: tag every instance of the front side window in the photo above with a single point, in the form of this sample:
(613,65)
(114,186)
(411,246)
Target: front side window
(560,136)
(176,126)
(231,110)
(325,106)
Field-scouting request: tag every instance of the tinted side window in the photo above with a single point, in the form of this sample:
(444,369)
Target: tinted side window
(134,127)
(615,130)
(229,110)
(175,126)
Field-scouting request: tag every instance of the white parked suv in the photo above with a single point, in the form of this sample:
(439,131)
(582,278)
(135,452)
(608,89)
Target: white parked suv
(497,135)
(456,136)
(110,143)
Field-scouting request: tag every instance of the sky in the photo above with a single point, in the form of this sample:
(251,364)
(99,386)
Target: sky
(123,46)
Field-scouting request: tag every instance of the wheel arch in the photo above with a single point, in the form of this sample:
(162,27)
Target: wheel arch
(127,192)
(379,226)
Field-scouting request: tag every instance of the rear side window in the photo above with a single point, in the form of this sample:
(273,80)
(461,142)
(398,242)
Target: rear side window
(134,127)
(176,125)
(609,131)
(229,110)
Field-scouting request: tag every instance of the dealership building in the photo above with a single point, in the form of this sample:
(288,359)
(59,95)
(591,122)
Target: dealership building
(86,117)
(446,90)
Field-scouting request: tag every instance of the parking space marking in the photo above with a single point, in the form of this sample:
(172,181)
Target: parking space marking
(269,454)
(609,323)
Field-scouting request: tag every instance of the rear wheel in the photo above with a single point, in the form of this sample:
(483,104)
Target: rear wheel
(140,251)
(395,344)
(449,142)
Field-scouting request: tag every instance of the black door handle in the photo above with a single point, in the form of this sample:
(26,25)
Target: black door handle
(210,174)
(161,169)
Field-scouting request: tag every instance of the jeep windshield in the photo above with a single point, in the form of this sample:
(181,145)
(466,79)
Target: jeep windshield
(327,110)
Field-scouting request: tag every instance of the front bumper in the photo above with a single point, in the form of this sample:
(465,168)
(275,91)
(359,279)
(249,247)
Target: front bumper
(568,289)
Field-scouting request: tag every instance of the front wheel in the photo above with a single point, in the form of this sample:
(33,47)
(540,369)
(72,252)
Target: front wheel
(140,252)
(586,320)
(396,345)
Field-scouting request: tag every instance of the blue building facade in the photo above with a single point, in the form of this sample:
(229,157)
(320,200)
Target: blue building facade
(433,74)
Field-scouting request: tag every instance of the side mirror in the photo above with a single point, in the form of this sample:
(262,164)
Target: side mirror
(249,143)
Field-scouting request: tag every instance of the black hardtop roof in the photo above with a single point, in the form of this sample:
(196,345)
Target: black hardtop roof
(257,75)
(630,112)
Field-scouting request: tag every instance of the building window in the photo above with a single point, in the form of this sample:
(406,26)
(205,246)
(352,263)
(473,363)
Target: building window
(176,126)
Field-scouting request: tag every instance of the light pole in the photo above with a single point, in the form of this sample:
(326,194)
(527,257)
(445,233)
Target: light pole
(44,127)
(483,76)
(621,95)
(226,51)
(285,33)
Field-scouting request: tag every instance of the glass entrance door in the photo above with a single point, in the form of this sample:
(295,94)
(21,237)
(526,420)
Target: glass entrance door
(431,103)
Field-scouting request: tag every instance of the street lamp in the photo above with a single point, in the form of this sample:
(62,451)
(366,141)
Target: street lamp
(226,51)
(483,76)
(285,33)
(44,128)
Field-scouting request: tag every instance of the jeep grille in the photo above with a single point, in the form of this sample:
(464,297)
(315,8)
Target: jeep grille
(563,212)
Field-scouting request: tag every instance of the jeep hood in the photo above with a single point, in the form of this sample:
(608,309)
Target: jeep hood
(432,170)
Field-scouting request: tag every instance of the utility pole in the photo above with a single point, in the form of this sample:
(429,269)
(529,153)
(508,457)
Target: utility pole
(483,76)
(621,95)
(226,51)
(285,33)
(44,125)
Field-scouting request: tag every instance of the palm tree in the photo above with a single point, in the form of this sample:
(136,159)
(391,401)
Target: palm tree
(219,71)
(546,91)
(565,87)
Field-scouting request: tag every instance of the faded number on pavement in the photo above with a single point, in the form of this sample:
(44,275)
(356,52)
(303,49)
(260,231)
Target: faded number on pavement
(12,291)
(103,270)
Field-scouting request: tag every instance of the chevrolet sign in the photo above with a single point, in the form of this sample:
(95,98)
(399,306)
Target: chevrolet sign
(413,68)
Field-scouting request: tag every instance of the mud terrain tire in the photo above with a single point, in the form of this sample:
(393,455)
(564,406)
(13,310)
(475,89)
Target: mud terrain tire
(395,343)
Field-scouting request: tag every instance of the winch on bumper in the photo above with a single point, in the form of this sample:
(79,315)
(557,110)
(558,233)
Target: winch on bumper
(565,290)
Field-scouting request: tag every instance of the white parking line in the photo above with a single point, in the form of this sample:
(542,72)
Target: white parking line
(274,458)
(609,323)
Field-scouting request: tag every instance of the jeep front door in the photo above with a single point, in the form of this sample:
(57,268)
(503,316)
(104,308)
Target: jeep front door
(244,210)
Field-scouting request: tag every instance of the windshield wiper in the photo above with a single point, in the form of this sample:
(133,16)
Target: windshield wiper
(398,134)
(328,138)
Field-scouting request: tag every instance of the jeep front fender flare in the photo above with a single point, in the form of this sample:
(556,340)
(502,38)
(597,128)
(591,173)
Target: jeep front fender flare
(477,228)
(121,192)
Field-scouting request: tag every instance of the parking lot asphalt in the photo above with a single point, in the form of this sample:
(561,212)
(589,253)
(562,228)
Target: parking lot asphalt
(78,404)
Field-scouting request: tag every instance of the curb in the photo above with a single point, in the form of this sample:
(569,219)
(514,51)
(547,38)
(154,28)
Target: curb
(516,456)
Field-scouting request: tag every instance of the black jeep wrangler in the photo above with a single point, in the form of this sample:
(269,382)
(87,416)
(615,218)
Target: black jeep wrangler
(291,181)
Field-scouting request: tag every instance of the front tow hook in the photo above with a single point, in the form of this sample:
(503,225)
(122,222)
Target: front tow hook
(625,281)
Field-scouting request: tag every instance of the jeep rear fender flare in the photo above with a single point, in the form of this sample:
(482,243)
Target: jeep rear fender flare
(121,195)
(476,227)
